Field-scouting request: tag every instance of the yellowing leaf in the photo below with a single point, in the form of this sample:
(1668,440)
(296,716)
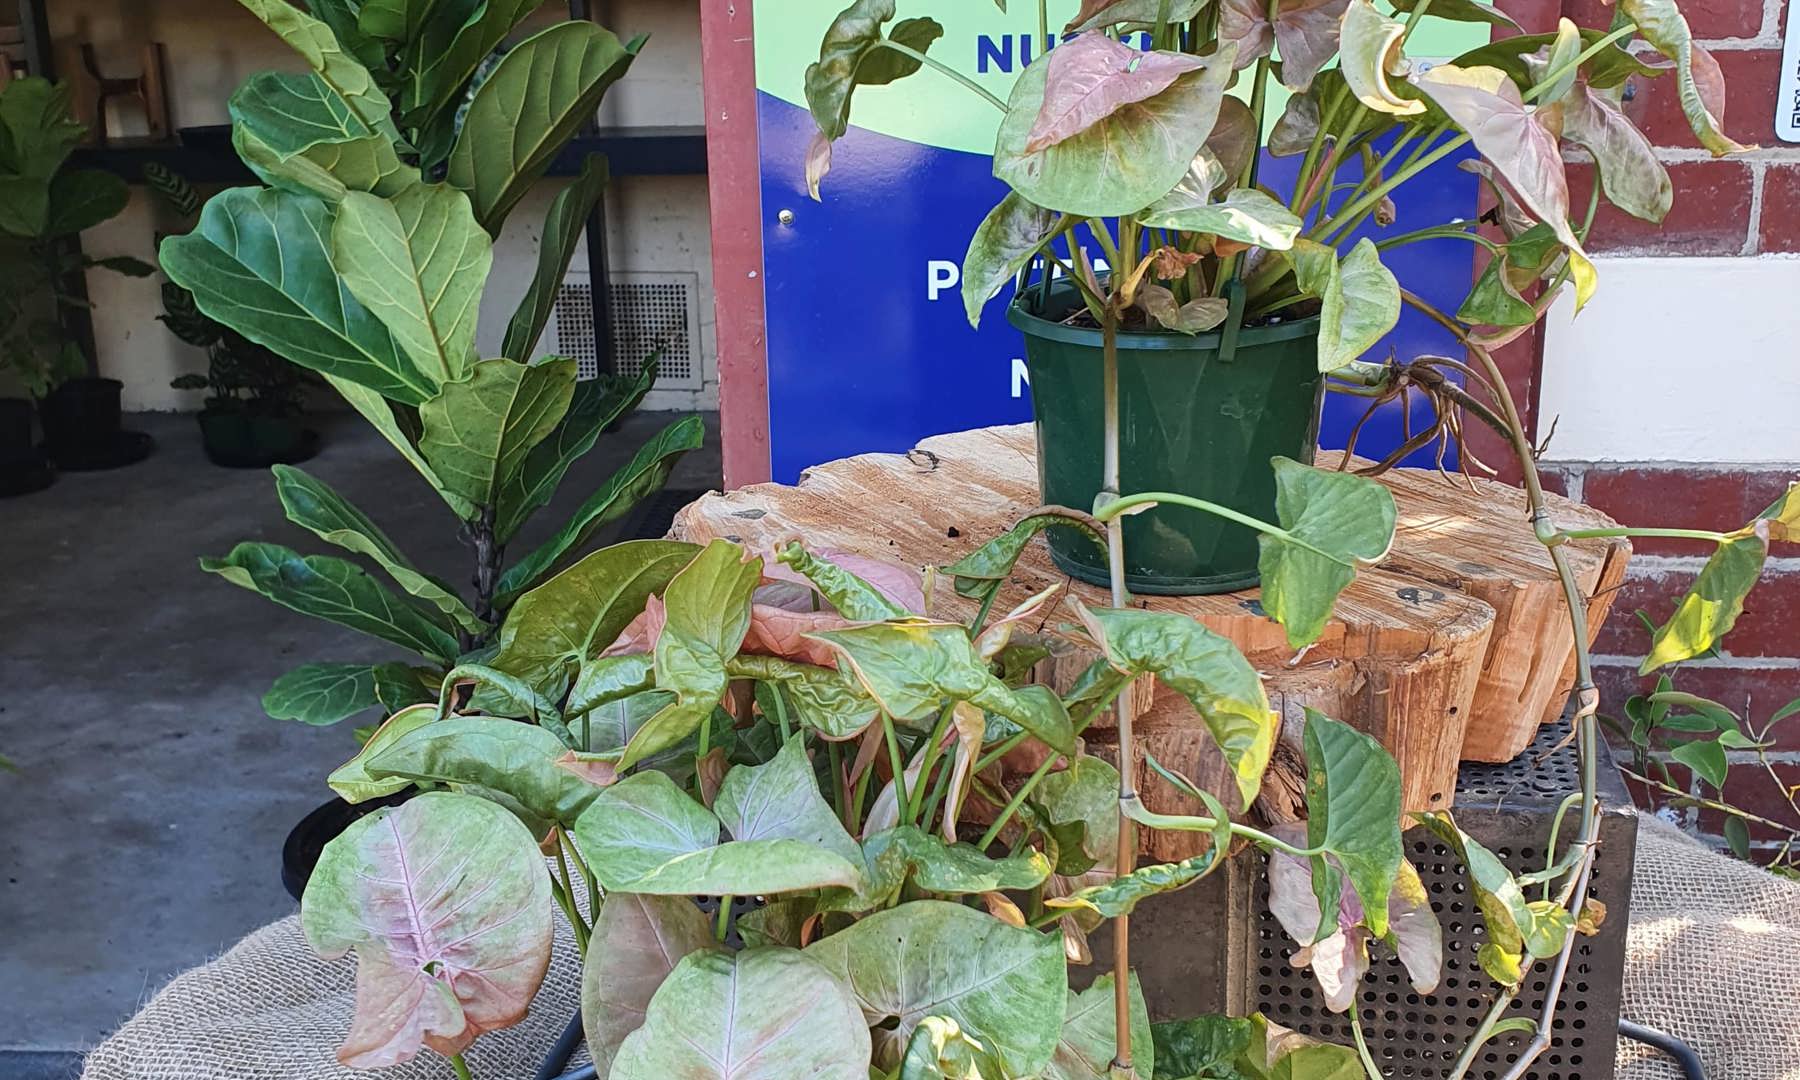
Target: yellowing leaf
(1371,51)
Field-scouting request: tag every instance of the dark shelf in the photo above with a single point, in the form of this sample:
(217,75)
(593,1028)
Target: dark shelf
(205,156)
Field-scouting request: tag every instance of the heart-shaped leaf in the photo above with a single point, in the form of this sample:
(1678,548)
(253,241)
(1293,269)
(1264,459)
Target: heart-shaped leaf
(1696,72)
(1306,31)
(447,905)
(516,761)
(1089,1039)
(321,694)
(294,131)
(1095,76)
(1201,666)
(335,590)
(851,596)
(1515,927)
(1711,605)
(1340,959)
(565,223)
(1122,163)
(1630,174)
(352,781)
(1372,52)
(1245,214)
(420,262)
(780,800)
(636,943)
(527,110)
(851,55)
(1352,813)
(909,853)
(1085,794)
(823,699)
(260,262)
(1005,242)
(642,476)
(1333,521)
(805,1022)
(1004,986)
(1359,298)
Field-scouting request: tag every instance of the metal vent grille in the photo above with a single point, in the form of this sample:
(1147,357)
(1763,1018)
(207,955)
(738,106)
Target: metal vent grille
(1507,808)
(652,313)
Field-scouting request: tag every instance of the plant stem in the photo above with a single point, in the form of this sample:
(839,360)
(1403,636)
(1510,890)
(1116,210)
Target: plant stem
(488,556)
(1043,41)
(1708,804)
(1466,1060)
(1362,1044)
(1678,534)
(1115,509)
(943,69)
(933,750)
(899,766)
(1550,77)
(461,1067)
(722,923)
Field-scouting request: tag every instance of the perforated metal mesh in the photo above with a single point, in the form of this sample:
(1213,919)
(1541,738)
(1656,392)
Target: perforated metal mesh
(1508,808)
(651,312)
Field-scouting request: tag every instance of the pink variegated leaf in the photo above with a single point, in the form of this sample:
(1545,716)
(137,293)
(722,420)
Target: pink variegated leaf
(1630,174)
(640,634)
(778,631)
(447,905)
(1306,31)
(1095,76)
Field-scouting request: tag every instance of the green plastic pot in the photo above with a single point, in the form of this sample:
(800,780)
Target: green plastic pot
(1191,422)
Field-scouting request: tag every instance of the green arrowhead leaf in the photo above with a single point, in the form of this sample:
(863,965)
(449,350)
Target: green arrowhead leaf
(636,943)
(780,800)
(821,698)
(643,475)
(260,262)
(1100,14)
(295,132)
(579,612)
(895,856)
(1359,298)
(478,431)
(311,504)
(515,760)
(1245,214)
(447,946)
(335,590)
(852,597)
(1005,242)
(352,781)
(1712,604)
(564,225)
(1706,757)
(1086,1048)
(420,262)
(1515,926)
(1121,895)
(1353,812)
(1202,667)
(1333,520)
(322,694)
(1003,985)
(1200,1045)
(528,109)
(1121,164)
(851,55)
(1086,794)
(939,1050)
(805,1022)
(990,564)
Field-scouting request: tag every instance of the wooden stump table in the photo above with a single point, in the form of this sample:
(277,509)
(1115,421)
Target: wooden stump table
(1455,647)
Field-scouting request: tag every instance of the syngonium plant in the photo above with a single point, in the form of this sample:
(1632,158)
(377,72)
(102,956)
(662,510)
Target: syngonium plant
(391,166)
(1147,151)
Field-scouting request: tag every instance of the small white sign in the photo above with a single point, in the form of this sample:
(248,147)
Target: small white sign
(1787,98)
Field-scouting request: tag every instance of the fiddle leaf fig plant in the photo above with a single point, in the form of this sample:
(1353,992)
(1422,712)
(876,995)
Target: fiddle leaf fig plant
(392,164)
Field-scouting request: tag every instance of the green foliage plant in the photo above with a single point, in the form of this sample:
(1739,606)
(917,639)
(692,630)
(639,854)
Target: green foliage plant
(43,205)
(390,164)
(671,723)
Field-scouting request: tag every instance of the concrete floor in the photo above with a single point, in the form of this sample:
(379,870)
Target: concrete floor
(142,834)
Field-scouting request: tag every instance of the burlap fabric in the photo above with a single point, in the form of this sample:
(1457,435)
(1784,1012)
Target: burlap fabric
(1714,958)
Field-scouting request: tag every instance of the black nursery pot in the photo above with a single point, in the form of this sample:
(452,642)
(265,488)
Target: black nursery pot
(81,419)
(243,440)
(300,852)
(23,468)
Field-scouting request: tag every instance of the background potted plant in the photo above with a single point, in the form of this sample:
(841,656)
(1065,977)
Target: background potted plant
(42,205)
(356,264)
(1223,304)
(254,412)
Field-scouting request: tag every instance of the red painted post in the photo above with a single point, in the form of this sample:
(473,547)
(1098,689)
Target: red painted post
(728,71)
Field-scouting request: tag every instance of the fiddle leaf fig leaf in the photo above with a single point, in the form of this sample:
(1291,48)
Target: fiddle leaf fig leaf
(1630,174)
(1333,521)
(352,781)
(81,199)
(565,223)
(1100,14)
(1371,52)
(479,429)
(1700,88)
(1093,77)
(992,563)
(1712,604)
(1003,985)
(312,504)
(1359,298)
(1201,666)
(1005,242)
(295,132)
(805,1024)
(642,476)
(336,68)
(780,800)
(527,110)
(446,51)
(1353,814)
(1085,1049)
(516,761)
(1120,164)
(1246,215)
(420,262)
(575,615)
(322,694)
(335,590)
(636,943)
(595,404)
(447,905)
(260,262)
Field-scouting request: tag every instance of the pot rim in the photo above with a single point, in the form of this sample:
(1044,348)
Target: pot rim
(1039,327)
